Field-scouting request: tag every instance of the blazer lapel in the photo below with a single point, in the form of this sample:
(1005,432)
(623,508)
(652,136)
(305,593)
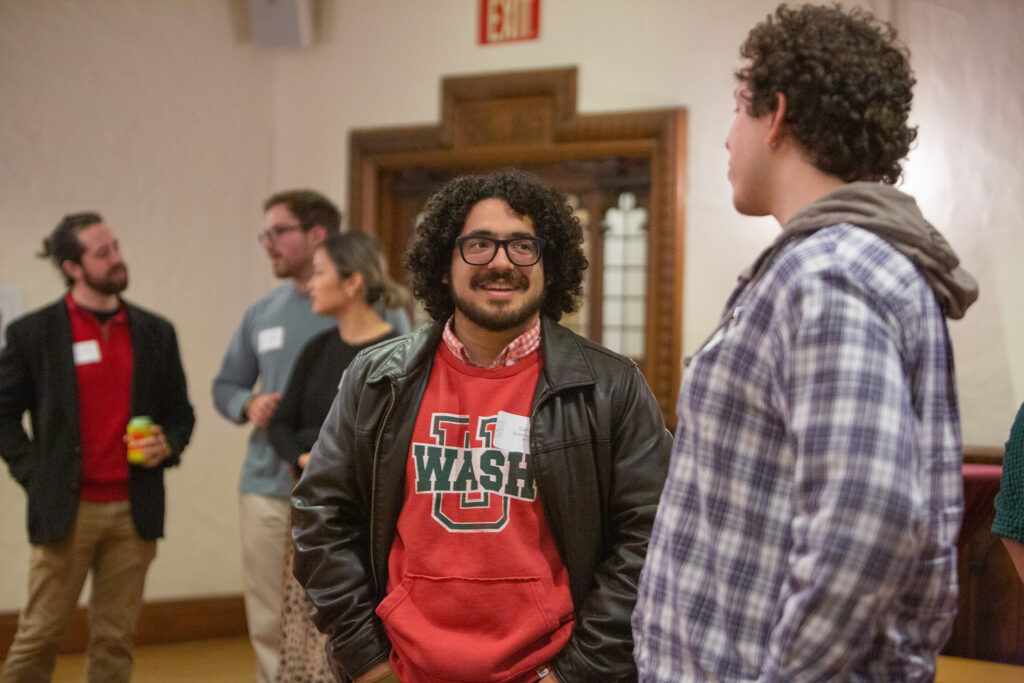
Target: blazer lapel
(65,377)
(142,349)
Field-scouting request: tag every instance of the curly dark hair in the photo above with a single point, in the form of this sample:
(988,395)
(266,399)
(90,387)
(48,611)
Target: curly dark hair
(429,257)
(847,83)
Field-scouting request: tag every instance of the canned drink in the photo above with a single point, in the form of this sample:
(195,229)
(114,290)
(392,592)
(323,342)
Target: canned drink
(138,428)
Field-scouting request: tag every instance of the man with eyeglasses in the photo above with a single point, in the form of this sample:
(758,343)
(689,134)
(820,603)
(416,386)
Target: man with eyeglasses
(480,499)
(273,331)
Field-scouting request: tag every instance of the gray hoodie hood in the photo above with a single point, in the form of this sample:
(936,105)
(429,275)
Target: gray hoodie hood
(893,216)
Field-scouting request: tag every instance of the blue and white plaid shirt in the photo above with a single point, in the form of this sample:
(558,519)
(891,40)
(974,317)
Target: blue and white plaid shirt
(807,528)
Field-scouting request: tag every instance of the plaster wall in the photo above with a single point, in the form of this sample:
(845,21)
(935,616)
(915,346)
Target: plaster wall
(157,115)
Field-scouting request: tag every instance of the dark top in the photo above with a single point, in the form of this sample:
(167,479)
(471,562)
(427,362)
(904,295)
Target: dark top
(310,392)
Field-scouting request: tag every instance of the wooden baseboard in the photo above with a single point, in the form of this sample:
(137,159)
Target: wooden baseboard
(983,455)
(165,621)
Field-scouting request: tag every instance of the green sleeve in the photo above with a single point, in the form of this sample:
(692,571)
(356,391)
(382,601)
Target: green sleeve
(1009,520)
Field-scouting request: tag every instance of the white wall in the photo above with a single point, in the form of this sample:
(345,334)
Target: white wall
(159,115)
(155,115)
(967,173)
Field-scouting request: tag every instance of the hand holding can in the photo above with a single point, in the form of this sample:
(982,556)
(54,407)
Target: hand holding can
(139,427)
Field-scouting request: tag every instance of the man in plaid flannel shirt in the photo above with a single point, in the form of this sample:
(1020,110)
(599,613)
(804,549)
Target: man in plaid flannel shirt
(807,528)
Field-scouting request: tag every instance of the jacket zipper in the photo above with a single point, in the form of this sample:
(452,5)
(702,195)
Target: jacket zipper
(373,484)
(533,412)
(547,393)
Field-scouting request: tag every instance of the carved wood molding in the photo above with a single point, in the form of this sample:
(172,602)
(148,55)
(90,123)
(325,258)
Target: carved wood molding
(490,121)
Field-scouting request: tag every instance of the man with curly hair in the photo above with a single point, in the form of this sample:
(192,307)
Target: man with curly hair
(478,504)
(807,528)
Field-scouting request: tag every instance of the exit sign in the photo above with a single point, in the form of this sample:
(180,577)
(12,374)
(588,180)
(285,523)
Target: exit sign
(505,21)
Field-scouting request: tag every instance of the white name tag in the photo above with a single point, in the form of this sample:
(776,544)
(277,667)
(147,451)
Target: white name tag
(512,432)
(86,352)
(269,339)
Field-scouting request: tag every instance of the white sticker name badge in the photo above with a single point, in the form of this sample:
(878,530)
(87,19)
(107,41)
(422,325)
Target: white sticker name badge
(269,339)
(512,432)
(86,352)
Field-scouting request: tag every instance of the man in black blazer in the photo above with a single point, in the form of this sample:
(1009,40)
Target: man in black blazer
(82,367)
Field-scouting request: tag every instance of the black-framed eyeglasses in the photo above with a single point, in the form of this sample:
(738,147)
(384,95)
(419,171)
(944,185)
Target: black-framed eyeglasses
(477,250)
(274,232)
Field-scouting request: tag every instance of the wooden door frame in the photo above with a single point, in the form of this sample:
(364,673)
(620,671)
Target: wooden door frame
(512,118)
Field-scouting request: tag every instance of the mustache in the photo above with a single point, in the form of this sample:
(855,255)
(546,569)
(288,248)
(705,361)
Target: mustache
(513,278)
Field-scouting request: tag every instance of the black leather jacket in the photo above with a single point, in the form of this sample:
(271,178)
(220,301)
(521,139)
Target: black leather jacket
(600,456)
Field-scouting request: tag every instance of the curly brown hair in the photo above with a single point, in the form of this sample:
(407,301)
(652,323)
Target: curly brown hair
(429,257)
(847,83)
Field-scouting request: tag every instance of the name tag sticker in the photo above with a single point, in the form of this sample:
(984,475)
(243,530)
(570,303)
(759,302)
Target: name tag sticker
(512,432)
(269,339)
(86,352)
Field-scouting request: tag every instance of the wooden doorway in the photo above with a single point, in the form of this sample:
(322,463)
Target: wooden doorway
(624,172)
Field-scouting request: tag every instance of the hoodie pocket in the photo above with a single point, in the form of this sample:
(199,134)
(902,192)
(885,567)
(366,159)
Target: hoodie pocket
(469,629)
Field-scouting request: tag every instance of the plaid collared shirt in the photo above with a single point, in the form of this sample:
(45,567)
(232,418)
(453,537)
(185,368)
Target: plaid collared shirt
(520,347)
(807,528)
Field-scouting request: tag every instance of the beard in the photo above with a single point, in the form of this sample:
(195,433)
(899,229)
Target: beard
(114,281)
(284,269)
(505,318)
(289,266)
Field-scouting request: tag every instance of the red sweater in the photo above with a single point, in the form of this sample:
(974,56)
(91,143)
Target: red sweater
(476,588)
(103,364)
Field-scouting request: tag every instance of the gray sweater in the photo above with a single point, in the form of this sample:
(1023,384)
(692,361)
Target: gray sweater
(264,347)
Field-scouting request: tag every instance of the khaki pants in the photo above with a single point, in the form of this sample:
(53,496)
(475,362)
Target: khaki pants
(266,527)
(104,542)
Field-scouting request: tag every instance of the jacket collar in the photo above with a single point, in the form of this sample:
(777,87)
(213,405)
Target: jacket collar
(406,354)
(564,361)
